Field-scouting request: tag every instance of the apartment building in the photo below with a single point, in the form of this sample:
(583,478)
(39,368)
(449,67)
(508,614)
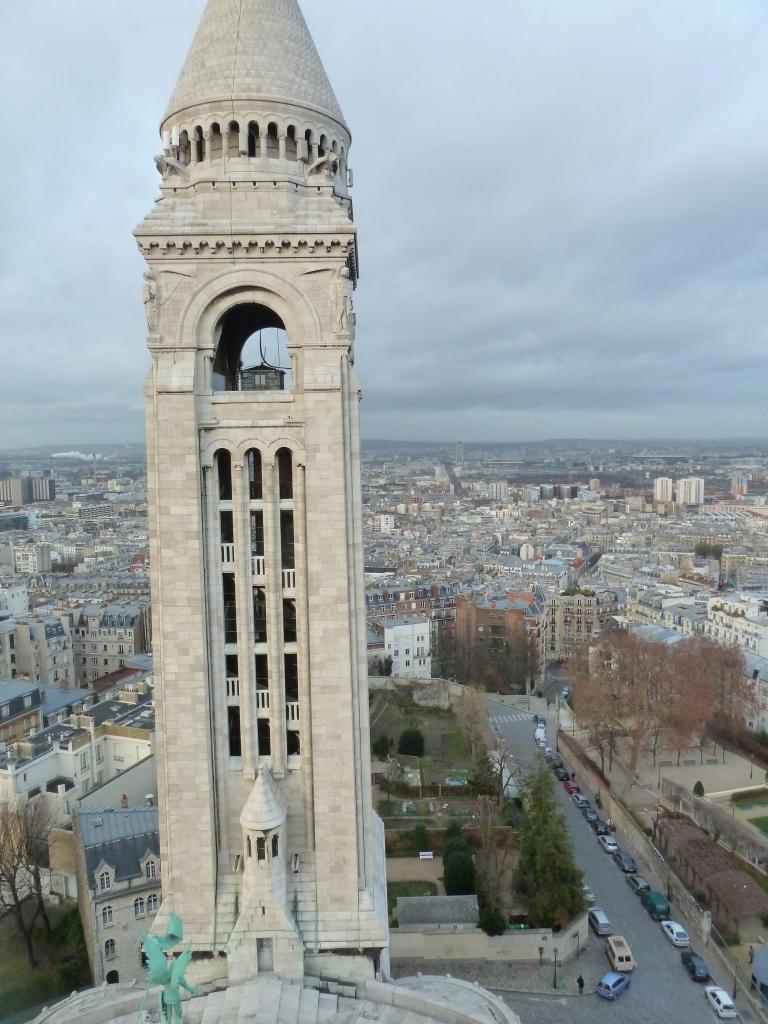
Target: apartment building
(741,619)
(105,637)
(576,616)
(24,490)
(117,856)
(662,489)
(44,650)
(690,491)
(31,559)
(14,597)
(20,711)
(407,643)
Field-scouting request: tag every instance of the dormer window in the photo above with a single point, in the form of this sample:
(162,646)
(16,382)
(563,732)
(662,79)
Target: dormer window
(105,881)
(150,869)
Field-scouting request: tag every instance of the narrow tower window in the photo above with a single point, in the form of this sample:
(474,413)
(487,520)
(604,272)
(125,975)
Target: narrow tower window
(291,146)
(264,737)
(255,491)
(257,534)
(217,143)
(261,848)
(233,147)
(287,550)
(224,468)
(262,672)
(289,622)
(233,728)
(253,139)
(293,743)
(275,845)
(259,615)
(185,148)
(230,608)
(227,528)
(285,473)
(273,142)
(199,140)
(291,678)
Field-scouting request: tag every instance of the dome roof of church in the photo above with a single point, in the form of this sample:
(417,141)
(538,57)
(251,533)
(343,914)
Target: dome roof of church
(254,50)
(264,809)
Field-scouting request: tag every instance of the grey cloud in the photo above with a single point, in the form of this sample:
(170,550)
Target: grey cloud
(561,213)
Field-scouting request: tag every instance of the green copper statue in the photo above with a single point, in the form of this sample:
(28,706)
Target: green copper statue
(168,972)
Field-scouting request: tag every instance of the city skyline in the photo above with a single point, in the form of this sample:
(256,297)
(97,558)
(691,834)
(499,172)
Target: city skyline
(601,253)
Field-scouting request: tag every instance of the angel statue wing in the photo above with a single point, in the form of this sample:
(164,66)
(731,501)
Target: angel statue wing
(159,968)
(174,934)
(179,969)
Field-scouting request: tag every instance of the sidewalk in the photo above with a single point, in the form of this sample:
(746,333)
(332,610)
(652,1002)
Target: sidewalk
(501,976)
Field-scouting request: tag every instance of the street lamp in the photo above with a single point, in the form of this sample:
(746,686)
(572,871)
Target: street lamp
(554,977)
(541,955)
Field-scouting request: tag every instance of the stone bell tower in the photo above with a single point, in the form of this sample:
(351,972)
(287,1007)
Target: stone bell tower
(270,851)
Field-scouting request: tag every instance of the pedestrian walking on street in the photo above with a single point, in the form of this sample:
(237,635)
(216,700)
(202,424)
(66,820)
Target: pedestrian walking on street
(580,983)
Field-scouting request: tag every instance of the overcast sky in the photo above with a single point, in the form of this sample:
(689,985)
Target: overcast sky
(562,213)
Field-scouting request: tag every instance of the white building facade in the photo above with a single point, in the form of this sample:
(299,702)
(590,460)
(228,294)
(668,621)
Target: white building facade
(406,642)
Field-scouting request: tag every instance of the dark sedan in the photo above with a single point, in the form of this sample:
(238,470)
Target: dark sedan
(696,967)
(625,862)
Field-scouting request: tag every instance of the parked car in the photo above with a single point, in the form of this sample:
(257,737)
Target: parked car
(619,954)
(720,1002)
(572,787)
(540,732)
(599,923)
(675,932)
(565,693)
(590,814)
(625,862)
(612,984)
(656,904)
(608,843)
(589,896)
(695,966)
(600,827)
(561,774)
(638,884)
(557,761)
(538,719)
(579,800)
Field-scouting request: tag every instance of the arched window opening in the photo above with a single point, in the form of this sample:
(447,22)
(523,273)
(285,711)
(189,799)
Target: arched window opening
(291,662)
(289,621)
(253,139)
(185,148)
(199,140)
(309,138)
(275,845)
(273,141)
(139,907)
(259,616)
(264,737)
(152,904)
(248,847)
(233,730)
(285,473)
(224,470)
(251,351)
(233,142)
(105,881)
(323,146)
(261,848)
(217,143)
(113,977)
(291,146)
(255,490)
(109,948)
(293,743)
(106,915)
(151,869)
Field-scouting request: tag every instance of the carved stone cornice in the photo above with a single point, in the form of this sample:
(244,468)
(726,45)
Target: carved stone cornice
(173,246)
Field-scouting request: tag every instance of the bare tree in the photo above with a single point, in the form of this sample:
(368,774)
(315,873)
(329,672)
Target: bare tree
(14,879)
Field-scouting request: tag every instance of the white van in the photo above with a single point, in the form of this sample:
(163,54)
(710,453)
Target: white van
(619,954)
(540,733)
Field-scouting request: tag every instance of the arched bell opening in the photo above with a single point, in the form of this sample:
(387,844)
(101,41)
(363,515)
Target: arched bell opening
(252,351)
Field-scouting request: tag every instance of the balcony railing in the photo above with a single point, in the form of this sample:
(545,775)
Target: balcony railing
(258,568)
(289,579)
(233,689)
(262,700)
(227,554)
(292,711)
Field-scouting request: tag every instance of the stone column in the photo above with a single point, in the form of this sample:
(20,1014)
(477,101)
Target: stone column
(207,146)
(243,144)
(302,614)
(243,589)
(274,597)
(281,145)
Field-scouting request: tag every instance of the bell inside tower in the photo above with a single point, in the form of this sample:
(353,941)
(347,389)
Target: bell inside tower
(251,351)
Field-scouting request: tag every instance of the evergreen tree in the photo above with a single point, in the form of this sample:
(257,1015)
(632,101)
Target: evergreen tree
(548,877)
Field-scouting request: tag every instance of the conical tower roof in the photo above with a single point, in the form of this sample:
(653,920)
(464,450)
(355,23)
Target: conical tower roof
(264,809)
(252,50)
